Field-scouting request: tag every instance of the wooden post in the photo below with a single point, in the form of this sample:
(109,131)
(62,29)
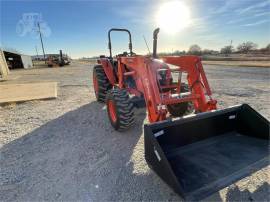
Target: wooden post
(4,71)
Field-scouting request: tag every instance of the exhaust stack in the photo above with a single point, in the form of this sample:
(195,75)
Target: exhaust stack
(155,35)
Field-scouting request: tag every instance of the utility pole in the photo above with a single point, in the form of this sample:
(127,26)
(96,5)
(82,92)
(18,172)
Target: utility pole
(41,42)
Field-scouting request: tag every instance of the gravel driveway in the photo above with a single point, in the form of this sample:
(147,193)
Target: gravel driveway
(66,150)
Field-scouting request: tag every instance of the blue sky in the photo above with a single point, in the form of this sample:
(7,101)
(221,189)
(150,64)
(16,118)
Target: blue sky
(80,27)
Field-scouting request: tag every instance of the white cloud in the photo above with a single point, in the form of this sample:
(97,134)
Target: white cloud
(134,14)
(223,8)
(200,24)
(255,23)
(209,37)
(226,7)
(236,21)
(262,14)
(252,7)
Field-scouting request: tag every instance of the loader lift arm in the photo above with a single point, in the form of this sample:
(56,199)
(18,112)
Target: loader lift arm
(146,82)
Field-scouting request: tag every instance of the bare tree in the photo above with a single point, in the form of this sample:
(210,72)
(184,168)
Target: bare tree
(246,47)
(267,47)
(195,49)
(226,50)
(206,52)
(265,50)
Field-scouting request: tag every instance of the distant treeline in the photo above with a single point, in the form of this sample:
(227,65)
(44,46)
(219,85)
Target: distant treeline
(243,48)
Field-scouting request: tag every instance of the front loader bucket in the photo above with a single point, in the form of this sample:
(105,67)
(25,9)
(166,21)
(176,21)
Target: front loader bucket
(200,155)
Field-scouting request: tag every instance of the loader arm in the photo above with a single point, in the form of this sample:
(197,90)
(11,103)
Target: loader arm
(197,80)
(144,71)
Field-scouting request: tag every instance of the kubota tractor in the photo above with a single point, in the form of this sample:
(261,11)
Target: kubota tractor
(196,155)
(150,80)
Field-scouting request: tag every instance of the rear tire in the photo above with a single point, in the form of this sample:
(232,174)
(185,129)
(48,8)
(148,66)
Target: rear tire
(181,109)
(120,109)
(101,83)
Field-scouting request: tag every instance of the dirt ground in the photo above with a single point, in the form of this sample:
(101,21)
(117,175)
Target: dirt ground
(65,149)
(238,63)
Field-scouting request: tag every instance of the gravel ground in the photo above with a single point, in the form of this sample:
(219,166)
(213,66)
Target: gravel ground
(65,149)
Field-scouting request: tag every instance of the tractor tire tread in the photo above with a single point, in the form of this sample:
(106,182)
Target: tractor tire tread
(124,108)
(103,83)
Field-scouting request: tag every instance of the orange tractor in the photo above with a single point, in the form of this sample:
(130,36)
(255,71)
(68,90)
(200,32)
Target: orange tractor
(150,79)
(195,155)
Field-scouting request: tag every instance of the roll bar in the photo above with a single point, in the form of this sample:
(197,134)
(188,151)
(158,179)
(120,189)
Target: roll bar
(119,30)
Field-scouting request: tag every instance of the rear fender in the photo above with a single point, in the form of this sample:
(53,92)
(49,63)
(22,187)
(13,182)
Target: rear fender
(108,69)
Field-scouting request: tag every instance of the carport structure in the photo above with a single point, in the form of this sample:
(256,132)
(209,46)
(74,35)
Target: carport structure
(17,60)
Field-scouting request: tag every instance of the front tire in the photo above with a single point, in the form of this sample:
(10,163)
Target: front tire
(120,109)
